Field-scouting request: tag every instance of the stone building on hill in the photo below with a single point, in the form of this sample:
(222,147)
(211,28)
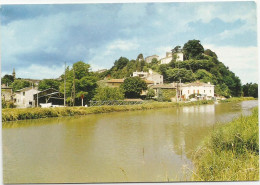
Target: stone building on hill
(150,58)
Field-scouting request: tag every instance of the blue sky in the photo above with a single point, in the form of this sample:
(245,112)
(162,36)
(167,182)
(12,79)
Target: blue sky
(36,40)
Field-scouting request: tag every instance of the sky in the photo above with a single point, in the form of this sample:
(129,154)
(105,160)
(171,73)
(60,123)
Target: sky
(37,40)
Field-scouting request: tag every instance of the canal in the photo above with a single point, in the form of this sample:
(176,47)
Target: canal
(138,146)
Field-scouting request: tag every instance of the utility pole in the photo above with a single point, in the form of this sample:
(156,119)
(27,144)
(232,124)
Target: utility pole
(65,86)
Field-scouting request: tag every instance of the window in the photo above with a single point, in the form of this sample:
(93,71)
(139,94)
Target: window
(204,91)
(210,91)
(23,93)
(188,91)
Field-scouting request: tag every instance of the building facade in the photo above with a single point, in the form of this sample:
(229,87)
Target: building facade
(168,58)
(150,76)
(6,93)
(23,98)
(197,90)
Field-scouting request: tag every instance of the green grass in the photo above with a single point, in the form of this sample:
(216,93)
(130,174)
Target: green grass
(231,153)
(237,99)
(36,113)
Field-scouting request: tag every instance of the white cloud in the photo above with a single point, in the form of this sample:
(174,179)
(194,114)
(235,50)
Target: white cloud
(243,61)
(35,71)
(123,45)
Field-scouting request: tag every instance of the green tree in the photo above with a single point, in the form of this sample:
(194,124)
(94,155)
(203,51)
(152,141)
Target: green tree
(7,79)
(193,49)
(204,76)
(108,93)
(121,63)
(133,87)
(20,84)
(81,69)
(176,74)
(140,57)
(48,83)
(253,90)
(210,53)
(80,79)
(150,93)
(250,89)
(222,90)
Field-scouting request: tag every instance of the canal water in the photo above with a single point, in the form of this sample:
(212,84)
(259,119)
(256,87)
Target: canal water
(138,146)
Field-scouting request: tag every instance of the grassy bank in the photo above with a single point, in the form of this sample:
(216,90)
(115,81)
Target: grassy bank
(35,113)
(237,99)
(231,153)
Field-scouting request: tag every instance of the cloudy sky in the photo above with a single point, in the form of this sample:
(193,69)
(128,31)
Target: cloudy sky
(36,40)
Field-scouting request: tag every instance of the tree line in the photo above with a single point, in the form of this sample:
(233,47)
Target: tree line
(198,64)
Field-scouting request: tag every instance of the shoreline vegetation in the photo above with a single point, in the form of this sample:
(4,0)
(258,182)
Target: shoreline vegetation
(230,152)
(13,114)
(37,113)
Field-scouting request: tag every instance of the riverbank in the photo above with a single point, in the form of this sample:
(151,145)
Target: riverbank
(230,153)
(36,113)
(237,99)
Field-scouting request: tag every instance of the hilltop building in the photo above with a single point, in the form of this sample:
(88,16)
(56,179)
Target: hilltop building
(150,58)
(169,56)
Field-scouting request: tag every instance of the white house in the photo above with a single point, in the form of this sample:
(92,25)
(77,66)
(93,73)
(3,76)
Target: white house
(199,89)
(151,76)
(24,97)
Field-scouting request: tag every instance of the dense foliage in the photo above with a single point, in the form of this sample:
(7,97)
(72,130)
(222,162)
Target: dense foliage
(20,84)
(48,83)
(80,82)
(7,80)
(198,65)
(108,93)
(250,89)
(193,49)
(133,87)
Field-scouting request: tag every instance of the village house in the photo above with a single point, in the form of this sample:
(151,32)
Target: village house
(23,98)
(6,93)
(150,58)
(151,76)
(198,90)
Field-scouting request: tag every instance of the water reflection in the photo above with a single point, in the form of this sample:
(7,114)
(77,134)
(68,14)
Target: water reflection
(138,146)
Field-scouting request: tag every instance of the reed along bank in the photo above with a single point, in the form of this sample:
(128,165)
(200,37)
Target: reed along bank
(230,153)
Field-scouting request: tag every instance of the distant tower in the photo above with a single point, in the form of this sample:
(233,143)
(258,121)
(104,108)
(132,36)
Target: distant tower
(14,73)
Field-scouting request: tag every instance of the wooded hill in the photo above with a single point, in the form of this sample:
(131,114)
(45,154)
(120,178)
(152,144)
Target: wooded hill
(198,64)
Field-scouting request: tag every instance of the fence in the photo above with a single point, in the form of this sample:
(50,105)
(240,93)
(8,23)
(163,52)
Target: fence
(116,102)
